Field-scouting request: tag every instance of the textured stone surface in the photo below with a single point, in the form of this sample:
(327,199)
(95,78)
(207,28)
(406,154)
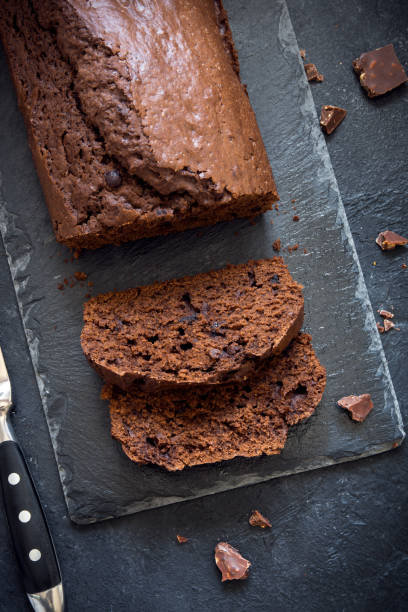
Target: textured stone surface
(339,536)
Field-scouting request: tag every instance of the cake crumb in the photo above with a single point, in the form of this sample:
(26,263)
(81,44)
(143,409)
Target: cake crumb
(90,284)
(305,251)
(295,217)
(61,286)
(293,201)
(77,253)
(277,245)
(276,206)
(302,53)
(380,328)
(81,276)
(294,247)
(404,266)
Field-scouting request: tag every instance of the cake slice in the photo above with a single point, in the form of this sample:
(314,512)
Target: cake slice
(137,120)
(205,329)
(176,429)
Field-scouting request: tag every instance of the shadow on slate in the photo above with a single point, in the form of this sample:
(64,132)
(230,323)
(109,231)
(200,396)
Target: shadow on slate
(97,479)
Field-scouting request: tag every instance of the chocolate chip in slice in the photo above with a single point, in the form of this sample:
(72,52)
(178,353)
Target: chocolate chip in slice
(113,178)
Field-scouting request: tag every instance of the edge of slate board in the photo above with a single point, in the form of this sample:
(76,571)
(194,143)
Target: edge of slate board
(17,265)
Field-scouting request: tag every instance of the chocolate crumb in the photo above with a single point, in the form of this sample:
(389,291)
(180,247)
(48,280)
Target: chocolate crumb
(359,406)
(388,325)
(113,178)
(277,245)
(295,218)
(386,314)
(181,539)
(258,520)
(380,328)
(331,117)
(80,276)
(230,563)
(389,240)
(302,53)
(313,74)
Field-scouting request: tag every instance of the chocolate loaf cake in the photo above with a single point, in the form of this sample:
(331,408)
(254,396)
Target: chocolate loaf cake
(137,119)
(206,329)
(196,426)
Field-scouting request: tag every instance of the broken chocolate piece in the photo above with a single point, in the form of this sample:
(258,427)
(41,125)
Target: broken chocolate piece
(380,71)
(258,520)
(380,328)
(230,563)
(388,325)
(181,539)
(389,240)
(313,74)
(331,117)
(385,314)
(359,406)
(113,178)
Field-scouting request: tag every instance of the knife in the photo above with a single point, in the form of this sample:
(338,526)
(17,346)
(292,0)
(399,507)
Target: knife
(29,530)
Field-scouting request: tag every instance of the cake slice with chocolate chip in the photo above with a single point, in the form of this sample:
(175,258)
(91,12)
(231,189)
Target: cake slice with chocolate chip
(207,329)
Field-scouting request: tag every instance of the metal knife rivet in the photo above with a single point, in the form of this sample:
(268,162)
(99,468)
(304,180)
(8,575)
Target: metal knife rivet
(13,478)
(34,554)
(24,516)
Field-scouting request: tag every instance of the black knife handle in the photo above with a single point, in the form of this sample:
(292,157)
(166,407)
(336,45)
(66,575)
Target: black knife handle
(31,537)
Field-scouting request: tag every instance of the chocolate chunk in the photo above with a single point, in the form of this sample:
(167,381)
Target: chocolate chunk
(380,71)
(359,406)
(331,117)
(181,539)
(380,328)
(386,314)
(230,563)
(215,353)
(258,520)
(313,74)
(277,245)
(113,178)
(389,240)
(388,325)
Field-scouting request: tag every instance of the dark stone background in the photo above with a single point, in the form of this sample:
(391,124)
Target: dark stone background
(340,535)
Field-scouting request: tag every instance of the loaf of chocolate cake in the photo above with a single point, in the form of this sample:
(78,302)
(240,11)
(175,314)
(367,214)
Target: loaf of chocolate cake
(205,329)
(136,116)
(180,428)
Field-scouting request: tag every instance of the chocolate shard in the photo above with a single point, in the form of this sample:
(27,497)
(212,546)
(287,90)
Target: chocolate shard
(385,314)
(380,328)
(359,406)
(181,539)
(231,564)
(313,74)
(380,71)
(259,520)
(389,240)
(388,325)
(331,117)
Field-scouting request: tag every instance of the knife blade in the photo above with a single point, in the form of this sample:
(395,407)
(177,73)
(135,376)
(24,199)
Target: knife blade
(30,534)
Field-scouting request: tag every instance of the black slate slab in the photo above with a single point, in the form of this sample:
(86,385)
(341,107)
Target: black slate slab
(97,479)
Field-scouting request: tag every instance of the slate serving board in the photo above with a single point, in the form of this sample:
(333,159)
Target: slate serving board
(97,479)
